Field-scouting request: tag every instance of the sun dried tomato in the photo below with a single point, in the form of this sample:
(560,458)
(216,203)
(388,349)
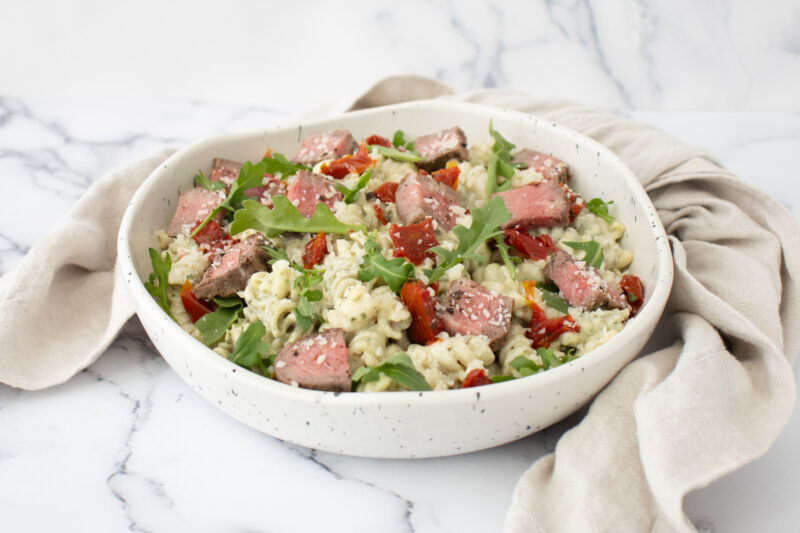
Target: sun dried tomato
(413,240)
(425,325)
(475,378)
(212,237)
(576,203)
(379,214)
(315,250)
(386,192)
(633,289)
(531,247)
(448,176)
(195,307)
(377,139)
(357,163)
(542,330)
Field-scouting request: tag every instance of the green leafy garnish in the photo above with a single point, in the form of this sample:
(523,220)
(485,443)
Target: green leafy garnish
(250,176)
(525,366)
(200,180)
(303,311)
(508,259)
(551,360)
(399,140)
(284,216)
(552,299)
(249,347)
(500,164)
(592,252)
(394,153)
(279,165)
(159,280)
(395,272)
(600,208)
(351,195)
(485,223)
(499,378)
(398,367)
(214,325)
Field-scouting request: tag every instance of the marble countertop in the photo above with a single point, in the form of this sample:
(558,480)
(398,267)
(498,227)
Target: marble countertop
(126,445)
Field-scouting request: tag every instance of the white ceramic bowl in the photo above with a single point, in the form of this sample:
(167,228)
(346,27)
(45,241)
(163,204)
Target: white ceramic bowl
(403,424)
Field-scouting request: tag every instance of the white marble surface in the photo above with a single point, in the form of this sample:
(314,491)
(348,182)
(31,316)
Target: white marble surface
(127,445)
(87,85)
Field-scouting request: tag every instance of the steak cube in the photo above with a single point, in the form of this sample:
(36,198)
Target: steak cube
(548,166)
(540,205)
(310,189)
(438,148)
(225,170)
(229,273)
(317,361)
(271,187)
(327,145)
(194,205)
(579,284)
(420,196)
(469,309)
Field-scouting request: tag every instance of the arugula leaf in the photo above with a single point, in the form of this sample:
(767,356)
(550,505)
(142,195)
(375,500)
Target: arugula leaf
(600,208)
(485,223)
(250,176)
(551,360)
(351,195)
(398,367)
(500,164)
(525,366)
(395,272)
(399,140)
(499,378)
(278,164)
(508,259)
(552,299)
(284,216)
(214,325)
(159,280)
(200,180)
(249,346)
(592,252)
(393,153)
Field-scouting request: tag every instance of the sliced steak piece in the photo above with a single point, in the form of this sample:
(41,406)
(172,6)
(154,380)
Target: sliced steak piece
(310,189)
(420,196)
(469,309)
(579,284)
(548,166)
(225,170)
(615,299)
(271,187)
(540,205)
(229,273)
(317,361)
(327,145)
(194,205)
(438,148)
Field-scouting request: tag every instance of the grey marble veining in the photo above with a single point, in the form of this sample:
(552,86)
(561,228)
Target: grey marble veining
(126,445)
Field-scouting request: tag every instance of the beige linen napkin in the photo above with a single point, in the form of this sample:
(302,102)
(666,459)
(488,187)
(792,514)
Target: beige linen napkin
(670,422)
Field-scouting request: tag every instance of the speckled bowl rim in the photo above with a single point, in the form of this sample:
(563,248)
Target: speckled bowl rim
(640,325)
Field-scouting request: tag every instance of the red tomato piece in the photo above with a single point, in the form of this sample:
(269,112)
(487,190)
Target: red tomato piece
(212,237)
(448,176)
(542,330)
(633,289)
(576,203)
(425,325)
(531,247)
(315,250)
(377,139)
(195,307)
(379,213)
(357,163)
(386,192)
(475,378)
(414,240)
